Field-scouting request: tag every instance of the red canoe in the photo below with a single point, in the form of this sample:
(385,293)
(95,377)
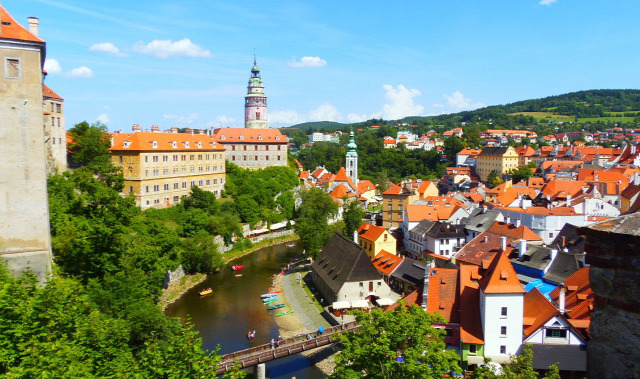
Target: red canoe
(238,267)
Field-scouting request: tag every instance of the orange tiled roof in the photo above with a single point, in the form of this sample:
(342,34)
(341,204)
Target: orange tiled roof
(326,177)
(424,185)
(511,194)
(443,295)
(341,191)
(525,151)
(304,175)
(468,151)
(370,232)
(393,189)
(589,175)
(417,213)
(537,311)
(385,262)
(365,185)
(570,187)
(500,277)
(10,29)
(48,92)
(248,135)
(341,176)
(470,326)
(579,295)
(317,172)
(542,211)
(510,230)
(483,247)
(143,141)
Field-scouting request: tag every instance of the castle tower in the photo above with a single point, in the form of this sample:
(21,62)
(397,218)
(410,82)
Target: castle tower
(352,160)
(25,242)
(255,103)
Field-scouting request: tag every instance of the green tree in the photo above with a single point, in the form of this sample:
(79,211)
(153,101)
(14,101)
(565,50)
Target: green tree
(352,214)
(452,146)
(200,254)
(405,332)
(90,144)
(201,199)
(520,173)
(494,179)
(312,224)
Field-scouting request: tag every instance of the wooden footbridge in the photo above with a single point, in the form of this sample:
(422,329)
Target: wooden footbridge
(287,347)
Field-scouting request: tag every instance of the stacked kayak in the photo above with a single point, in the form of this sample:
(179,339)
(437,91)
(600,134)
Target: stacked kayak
(284,313)
(272,299)
(267,295)
(277,306)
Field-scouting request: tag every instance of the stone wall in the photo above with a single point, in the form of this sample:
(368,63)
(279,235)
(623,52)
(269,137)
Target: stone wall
(173,276)
(613,251)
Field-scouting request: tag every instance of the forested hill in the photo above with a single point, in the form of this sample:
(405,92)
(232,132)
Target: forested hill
(606,105)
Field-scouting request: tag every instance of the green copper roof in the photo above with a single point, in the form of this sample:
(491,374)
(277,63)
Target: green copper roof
(352,146)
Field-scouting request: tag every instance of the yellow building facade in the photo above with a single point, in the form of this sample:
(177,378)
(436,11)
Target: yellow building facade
(500,159)
(160,168)
(373,239)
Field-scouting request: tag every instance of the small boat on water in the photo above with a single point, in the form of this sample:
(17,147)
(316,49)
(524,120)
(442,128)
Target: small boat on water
(284,313)
(291,245)
(278,291)
(237,267)
(206,291)
(271,299)
(277,306)
(266,295)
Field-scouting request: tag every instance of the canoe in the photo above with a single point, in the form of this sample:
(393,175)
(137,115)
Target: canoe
(271,300)
(266,295)
(277,306)
(291,245)
(284,313)
(278,291)
(238,267)
(206,292)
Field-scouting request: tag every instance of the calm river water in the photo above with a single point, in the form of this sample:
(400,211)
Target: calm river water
(224,317)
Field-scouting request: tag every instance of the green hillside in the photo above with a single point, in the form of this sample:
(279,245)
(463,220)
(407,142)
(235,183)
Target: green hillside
(318,125)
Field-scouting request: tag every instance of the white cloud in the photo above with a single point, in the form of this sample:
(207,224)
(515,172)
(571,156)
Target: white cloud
(437,105)
(107,47)
(547,2)
(354,117)
(325,112)
(103,118)
(167,48)
(225,119)
(80,72)
(286,117)
(401,102)
(308,62)
(457,101)
(52,66)
(182,120)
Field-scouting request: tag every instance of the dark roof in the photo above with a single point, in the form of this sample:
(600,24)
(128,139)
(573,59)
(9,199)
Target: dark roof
(479,221)
(563,266)
(422,227)
(568,357)
(570,239)
(446,230)
(410,271)
(342,260)
(536,257)
(493,151)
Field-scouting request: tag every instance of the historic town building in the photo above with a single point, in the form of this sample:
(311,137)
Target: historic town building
(352,160)
(160,168)
(253,148)
(54,130)
(255,102)
(25,242)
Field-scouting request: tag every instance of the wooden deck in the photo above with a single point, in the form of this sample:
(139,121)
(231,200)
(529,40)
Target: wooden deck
(290,346)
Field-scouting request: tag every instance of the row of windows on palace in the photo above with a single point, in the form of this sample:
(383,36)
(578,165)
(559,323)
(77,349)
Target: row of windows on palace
(255,158)
(256,147)
(53,121)
(176,170)
(176,185)
(175,157)
(58,108)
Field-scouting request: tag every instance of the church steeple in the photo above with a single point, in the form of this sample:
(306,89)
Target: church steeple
(255,102)
(352,159)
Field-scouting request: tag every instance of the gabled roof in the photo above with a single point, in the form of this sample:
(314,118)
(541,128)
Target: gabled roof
(500,277)
(537,311)
(248,135)
(424,185)
(563,266)
(525,151)
(410,271)
(513,232)
(385,262)
(470,326)
(341,191)
(341,176)
(482,248)
(579,295)
(10,29)
(423,227)
(144,141)
(49,94)
(481,219)
(393,189)
(365,185)
(318,172)
(342,260)
(370,232)
(446,230)
(444,296)
(493,151)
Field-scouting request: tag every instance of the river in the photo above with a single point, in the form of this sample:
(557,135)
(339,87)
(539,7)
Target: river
(224,317)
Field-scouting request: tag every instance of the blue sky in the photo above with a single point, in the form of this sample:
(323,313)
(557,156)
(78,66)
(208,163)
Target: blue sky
(186,63)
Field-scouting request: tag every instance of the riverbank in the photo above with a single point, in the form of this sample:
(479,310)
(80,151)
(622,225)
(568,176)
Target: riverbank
(306,317)
(187,282)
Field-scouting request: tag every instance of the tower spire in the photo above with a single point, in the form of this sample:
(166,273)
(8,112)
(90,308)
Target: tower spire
(352,159)
(255,102)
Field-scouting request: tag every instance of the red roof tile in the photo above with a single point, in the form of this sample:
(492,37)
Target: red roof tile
(537,310)
(10,29)
(500,276)
(143,141)
(370,232)
(48,93)
(385,262)
(510,230)
(443,297)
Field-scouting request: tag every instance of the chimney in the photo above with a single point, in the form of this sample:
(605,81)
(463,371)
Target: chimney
(484,209)
(564,241)
(522,248)
(503,243)
(486,239)
(33,25)
(355,236)
(425,287)
(554,253)
(517,222)
(135,128)
(507,219)
(561,299)
(568,200)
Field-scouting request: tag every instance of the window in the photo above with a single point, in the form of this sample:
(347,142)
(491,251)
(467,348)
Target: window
(184,184)
(146,172)
(165,171)
(193,183)
(192,170)
(165,158)
(156,188)
(175,158)
(13,68)
(503,312)
(130,189)
(473,349)
(58,108)
(503,349)
(146,189)
(550,235)
(166,187)
(175,170)
(200,183)
(556,333)
(191,157)
(503,331)
(58,121)
(53,121)
(200,169)
(176,185)
(54,141)
(199,157)
(208,182)
(52,106)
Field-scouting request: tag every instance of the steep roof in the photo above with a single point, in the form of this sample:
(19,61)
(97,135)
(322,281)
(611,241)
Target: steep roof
(143,141)
(410,271)
(493,151)
(482,248)
(481,219)
(341,191)
(370,232)
(365,185)
(10,29)
(563,266)
(525,151)
(537,311)
(386,262)
(424,185)
(443,296)
(470,326)
(342,260)
(500,277)
(393,189)
(48,93)
(579,295)
(446,230)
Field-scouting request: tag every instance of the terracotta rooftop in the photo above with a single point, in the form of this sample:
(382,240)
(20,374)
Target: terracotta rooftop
(579,295)
(537,311)
(385,262)
(513,232)
(248,135)
(482,248)
(48,93)
(470,326)
(144,141)
(500,276)
(370,232)
(444,296)
(10,29)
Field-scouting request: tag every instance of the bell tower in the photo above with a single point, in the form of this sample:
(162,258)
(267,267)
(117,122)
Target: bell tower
(352,159)
(255,102)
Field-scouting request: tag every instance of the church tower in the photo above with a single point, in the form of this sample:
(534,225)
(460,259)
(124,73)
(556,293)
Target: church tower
(352,160)
(255,103)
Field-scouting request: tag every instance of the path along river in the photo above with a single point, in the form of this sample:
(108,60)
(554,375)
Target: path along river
(224,317)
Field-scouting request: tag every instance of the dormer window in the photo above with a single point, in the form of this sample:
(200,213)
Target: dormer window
(241,137)
(222,137)
(277,138)
(174,144)
(199,144)
(154,144)
(126,144)
(259,138)
(186,144)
